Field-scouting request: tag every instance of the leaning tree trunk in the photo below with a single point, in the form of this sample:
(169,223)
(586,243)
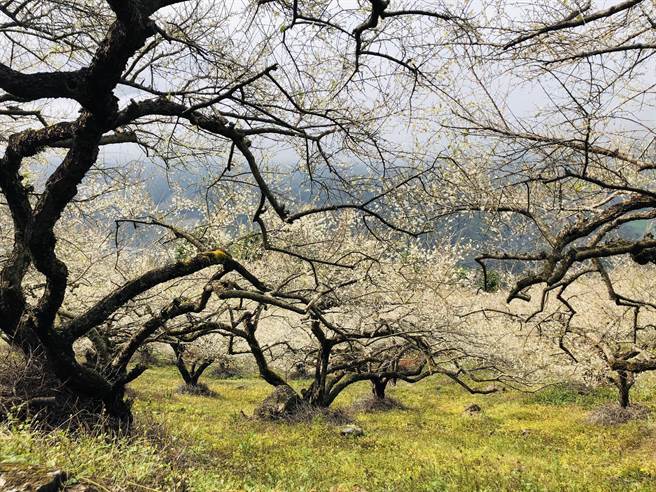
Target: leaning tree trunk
(179,350)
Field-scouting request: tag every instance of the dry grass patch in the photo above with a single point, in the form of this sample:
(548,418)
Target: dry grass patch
(613,414)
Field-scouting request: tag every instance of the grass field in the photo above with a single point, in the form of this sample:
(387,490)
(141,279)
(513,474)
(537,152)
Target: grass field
(518,442)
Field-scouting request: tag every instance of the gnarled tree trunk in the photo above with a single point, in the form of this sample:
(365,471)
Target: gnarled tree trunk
(190,375)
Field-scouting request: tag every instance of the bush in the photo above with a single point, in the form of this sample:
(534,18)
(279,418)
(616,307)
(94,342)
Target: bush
(491,282)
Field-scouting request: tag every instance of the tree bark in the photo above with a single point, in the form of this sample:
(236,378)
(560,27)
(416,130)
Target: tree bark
(624,383)
(378,387)
(189,375)
(180,364)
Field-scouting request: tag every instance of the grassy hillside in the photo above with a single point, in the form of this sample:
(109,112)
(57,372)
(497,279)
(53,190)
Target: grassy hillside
(517,442)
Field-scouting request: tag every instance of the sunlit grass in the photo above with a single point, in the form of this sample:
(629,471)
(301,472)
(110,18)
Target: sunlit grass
(518,442)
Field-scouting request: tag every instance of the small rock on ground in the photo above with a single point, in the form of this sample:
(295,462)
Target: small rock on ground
(25,478)
(351,430)
(473,409)
(283,402)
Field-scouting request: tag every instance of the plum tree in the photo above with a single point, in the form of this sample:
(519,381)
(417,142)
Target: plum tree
(553,137)
(238,94)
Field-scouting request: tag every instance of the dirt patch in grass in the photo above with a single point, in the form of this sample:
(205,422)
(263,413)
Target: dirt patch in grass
(15,476)
(308,413)
(199,389)
(305,413)
(285,405)
(613,414)
(372,404)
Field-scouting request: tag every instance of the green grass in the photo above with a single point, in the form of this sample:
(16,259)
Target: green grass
(519,442)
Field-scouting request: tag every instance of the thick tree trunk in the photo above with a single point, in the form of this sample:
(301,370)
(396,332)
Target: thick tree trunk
(378,387)
(182,369)
(180,364)
(76,389)
(624,383)
(315,396)
(189,375)
(118,408)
